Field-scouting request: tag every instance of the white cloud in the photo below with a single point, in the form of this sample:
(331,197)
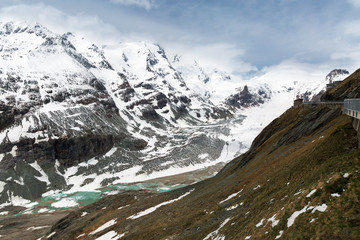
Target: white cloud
(147,4)
(350,28)
(355,3)
(220,55)
(348,52)
(174,40)
(348,57)
(91,27)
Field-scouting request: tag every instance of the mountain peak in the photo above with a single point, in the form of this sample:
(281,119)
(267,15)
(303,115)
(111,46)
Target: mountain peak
(337,75)
(17,27)
(13,27)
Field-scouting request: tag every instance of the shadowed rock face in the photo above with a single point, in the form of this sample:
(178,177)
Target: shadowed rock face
(71,151)
(7,117)
(68,151)
(246,99)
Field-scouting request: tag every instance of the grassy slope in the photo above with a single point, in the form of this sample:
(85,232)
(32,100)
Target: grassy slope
(286,158)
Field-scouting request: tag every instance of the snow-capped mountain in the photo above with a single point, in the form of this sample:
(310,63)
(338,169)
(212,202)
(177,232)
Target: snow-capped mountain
(75,116)
(337,75)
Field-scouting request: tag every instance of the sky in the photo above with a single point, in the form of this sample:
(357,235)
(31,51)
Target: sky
(239,36)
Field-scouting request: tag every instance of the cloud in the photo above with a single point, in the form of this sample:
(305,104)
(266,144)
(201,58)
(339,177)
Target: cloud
(350,28)
(89,26)
(348,52)
(147,4)
(228,56)
(174,40)
(355,3)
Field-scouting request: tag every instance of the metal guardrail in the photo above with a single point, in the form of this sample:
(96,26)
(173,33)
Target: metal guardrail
(352,107)
(352,104)
(326,101)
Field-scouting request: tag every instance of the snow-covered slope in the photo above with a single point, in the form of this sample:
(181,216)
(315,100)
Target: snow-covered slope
(337,75)
(75,116)
(65,101)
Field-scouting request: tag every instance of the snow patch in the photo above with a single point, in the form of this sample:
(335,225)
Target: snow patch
(17,200)
(43,177)
(43,210)
(311,193)
(259,224)
(280,234)
(110,152)
(152,209)
(291,219)
(321,208)
(232,207)
(81,235)
(2,185)
(299,192)
(13,151)
(273,221)
(36,228)
(216,232)
(104,226)
(112,235)
(50,235)
(231,196)
(203,156)
(65,203)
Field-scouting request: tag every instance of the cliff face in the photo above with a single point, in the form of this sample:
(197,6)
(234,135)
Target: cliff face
(244,98)
(300,179)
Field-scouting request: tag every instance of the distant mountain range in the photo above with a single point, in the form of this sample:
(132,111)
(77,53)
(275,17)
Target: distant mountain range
(75,116)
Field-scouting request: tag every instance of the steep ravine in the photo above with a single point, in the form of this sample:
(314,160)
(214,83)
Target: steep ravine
(300,179)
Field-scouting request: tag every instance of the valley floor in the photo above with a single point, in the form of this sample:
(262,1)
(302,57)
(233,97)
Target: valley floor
(34,225)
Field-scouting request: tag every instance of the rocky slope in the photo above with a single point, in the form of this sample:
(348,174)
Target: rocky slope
(299,180)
